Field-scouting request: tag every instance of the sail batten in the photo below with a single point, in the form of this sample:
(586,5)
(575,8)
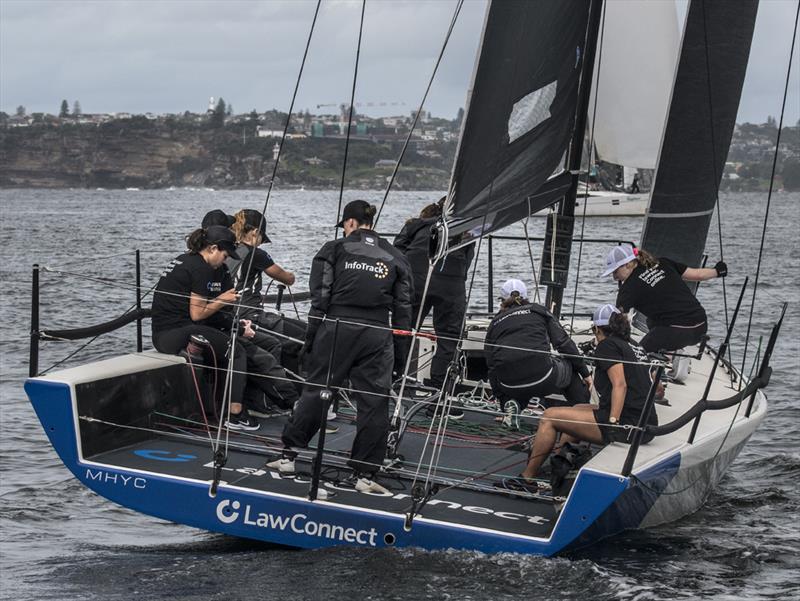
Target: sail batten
(520,114)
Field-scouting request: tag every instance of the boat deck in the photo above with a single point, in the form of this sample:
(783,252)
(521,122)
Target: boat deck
(477,469)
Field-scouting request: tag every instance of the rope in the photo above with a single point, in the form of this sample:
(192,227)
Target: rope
(591,161)
(459,4)
(536,296)
(350,119)
(714,168)
(769,194)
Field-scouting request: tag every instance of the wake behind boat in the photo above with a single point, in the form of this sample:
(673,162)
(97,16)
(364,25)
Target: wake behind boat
(139,430)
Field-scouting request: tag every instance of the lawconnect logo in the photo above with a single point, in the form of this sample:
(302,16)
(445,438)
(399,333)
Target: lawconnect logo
(229,512)
(379,270)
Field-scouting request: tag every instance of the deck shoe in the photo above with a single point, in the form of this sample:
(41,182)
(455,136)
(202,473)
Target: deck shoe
(364,484)
(455,413)
(511,418)
(242,421)
(331,414)
(284,465)
(522,484)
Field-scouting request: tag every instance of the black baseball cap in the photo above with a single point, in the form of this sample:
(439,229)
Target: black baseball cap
(256,220)
(217,217)
(222,237)
(358,210)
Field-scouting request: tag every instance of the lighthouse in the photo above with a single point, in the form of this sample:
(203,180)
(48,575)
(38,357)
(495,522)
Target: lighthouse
(276,150)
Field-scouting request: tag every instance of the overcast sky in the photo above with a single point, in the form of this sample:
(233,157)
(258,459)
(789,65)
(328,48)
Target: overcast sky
(172,55)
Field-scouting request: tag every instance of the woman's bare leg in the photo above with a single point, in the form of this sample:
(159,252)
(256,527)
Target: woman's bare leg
(576,423)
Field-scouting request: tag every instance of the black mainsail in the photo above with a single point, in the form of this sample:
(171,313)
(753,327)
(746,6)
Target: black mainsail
(521,114)
(700,122)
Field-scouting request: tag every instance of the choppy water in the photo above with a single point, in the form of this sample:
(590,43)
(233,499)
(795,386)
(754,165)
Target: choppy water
(60,541)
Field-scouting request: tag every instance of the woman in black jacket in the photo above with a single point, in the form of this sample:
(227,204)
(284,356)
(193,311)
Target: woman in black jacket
(446,293)
(518,354)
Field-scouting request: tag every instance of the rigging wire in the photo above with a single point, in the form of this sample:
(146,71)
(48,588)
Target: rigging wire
(536,296)
(591,156)
(226,399)
(350,119)
(769,194)
(716,180)
(459,4)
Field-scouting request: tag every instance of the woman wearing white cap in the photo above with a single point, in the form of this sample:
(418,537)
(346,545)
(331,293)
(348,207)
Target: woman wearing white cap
(622,381)
(656,288)
(519,357)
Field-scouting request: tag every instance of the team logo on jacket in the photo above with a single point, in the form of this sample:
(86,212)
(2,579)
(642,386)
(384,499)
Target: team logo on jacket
(380,270)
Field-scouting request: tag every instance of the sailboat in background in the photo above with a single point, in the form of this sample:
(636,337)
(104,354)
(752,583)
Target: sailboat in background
(127,427)
(634,71)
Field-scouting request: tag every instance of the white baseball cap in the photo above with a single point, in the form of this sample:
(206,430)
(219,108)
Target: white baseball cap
(602,314)
(511,286)
(619,256)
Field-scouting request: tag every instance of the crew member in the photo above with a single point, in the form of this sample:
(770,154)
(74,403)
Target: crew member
(250,229)
(189,299)
(656,288)
(446,293)
(622,380)
(515,374)
(356,282)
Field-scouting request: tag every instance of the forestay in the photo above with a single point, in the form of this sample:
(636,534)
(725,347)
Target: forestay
(520,115)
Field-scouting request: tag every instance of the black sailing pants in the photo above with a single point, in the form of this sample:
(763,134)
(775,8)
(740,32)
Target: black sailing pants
(175,340)
(673,338)
(362,362)
(265,374)
(561,379)
(448,317)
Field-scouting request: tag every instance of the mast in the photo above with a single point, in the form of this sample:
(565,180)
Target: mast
(556,263)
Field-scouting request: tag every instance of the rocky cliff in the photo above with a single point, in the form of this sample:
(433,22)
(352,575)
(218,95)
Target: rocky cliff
(144,153)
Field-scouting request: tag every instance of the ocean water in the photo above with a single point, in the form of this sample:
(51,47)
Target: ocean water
(58,540)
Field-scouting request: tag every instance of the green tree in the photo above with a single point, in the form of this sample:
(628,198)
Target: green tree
(76,109)
(218,116)
(459,116)
(771,123)
(791,175)
(252,119)
(64,112)
(229,110)
(20,111)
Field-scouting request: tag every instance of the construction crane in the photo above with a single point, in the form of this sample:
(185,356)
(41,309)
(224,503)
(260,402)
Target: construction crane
(360,104)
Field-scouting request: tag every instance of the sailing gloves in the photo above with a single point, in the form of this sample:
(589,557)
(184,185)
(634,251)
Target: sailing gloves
(721,268)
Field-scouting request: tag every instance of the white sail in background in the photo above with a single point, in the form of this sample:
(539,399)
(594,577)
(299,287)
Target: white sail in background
(637,69)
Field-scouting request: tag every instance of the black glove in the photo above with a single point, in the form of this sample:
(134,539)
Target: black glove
(721,268)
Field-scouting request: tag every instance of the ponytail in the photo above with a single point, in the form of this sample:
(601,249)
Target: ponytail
(618,325)
(515,300)
(369,216)
(645,259)
(196,241)
(240,227)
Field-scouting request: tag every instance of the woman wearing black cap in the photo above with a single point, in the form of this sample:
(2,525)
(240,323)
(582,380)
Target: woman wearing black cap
(189,299)
(656,288)
(446,294)
(357,280)
(248,266)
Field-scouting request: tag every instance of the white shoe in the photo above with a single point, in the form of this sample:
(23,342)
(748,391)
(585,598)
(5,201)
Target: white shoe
(511,417)
(331,414)
(367,485)
(283,465)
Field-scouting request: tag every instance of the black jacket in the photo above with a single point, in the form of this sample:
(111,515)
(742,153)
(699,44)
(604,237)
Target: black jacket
(527,327)
(414,242)
(361,277)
